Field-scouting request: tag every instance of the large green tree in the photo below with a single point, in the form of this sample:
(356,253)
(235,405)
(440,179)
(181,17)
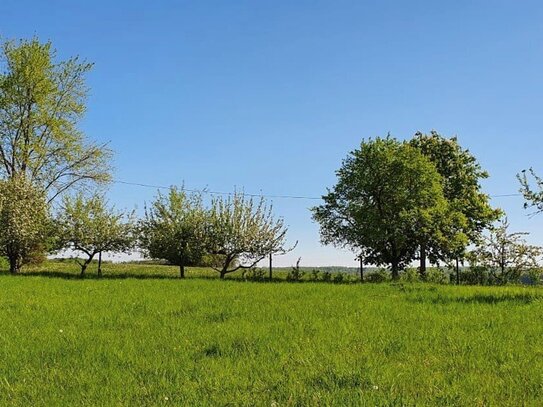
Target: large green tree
(42,101)
(24,220)
(388,194)
(469,208)
(174,229)
(90,227)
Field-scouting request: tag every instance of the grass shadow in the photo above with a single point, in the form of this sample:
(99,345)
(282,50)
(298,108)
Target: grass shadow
(489,299)
(74,275)
(66,275)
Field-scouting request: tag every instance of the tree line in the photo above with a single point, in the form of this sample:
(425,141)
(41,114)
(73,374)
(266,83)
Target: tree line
(47,167)
(395,201)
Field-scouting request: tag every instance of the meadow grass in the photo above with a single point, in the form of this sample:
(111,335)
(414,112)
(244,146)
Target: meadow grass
(201,341)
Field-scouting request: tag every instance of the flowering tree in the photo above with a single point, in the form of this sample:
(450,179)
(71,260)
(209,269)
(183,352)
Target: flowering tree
(174,229)
(505,255)
(24,220)
(243,232)
(89,226)
(42,101)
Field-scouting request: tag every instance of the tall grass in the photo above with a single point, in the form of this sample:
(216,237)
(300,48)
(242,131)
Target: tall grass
(164,341)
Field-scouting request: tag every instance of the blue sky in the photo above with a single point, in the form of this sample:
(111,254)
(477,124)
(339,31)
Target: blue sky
(269,96)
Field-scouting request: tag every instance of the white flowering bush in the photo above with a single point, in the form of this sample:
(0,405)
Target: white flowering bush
(24,220)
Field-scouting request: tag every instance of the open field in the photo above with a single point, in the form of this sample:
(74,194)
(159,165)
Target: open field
(201,341)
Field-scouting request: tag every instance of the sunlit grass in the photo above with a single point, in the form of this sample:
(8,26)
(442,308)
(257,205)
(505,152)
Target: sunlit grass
(201,341)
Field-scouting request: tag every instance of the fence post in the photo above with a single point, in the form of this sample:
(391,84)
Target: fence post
(270,267)
(100,263)
(457,272)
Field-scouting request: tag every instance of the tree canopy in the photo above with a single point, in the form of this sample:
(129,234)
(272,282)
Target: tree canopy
(41,103)
(243,232)
(503,254)
(387,196)
(174,229)
(24,220)
(90,227)
(533,194)
(469,208)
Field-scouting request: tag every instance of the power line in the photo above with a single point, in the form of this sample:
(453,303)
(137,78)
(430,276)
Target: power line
(205,191)
(504,195)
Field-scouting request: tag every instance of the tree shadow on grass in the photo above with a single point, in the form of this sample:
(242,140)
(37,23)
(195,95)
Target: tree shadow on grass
(72,275)
(66,275)
(490,299)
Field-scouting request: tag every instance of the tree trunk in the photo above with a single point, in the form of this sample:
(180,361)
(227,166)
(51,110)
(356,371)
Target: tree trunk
(182,271)
(395,271)
(361,268)
(13,265)
(226,264)
(85,265)
(100,264)
(271,268)
(422,269)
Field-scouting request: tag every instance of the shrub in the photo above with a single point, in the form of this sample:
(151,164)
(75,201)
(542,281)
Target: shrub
(379,276)
(296,273)
(338,277)
(534,275)
(315,273)
(475,275)
(410,275)
(24,220)
(326,276)
(254,274)
(437,276)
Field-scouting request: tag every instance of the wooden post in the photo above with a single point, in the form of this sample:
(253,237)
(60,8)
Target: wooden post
(271,269)
(100,263)
(457,271)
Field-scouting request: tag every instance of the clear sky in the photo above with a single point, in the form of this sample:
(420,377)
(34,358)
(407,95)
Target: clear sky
(269,96)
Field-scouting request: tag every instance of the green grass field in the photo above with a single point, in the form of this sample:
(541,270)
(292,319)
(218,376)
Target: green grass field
(201,341)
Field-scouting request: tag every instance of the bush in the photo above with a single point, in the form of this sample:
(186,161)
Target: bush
(296,273)
(534,275)
(475,275)
(437,276)
(338,277)
(410,275)
(379,276)
(254,274)
(326,276)
(315,274)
